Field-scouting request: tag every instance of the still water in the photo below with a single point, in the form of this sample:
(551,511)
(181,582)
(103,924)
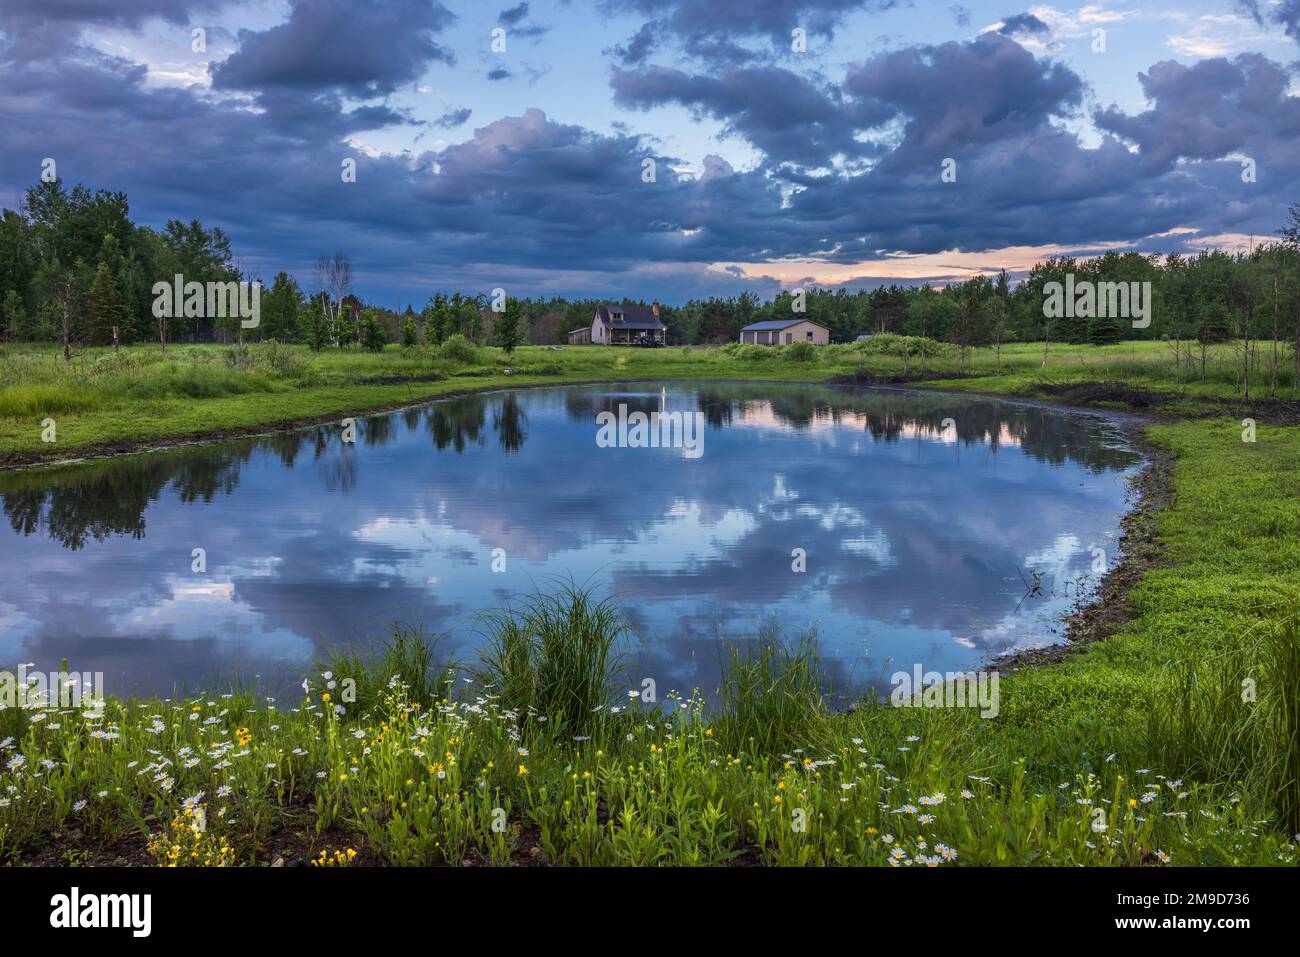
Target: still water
(924,541)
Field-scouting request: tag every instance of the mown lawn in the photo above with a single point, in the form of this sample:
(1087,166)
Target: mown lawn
(1175,740)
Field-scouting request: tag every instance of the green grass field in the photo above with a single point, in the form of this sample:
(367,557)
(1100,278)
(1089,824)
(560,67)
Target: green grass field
(1174,740)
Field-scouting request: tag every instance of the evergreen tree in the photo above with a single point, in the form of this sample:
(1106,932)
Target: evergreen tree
(63,288)
(282,305)
(410,334)
(506,326)
(104,309)
(13,317)
(1216,324)
(436,320)
(469,318)
(1074,329)
(315,326)
(1104,331)
(347,330)
(373,335)
(971,326)
(17,255)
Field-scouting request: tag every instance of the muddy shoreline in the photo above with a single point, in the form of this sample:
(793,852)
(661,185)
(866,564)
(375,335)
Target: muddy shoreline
(1139,552)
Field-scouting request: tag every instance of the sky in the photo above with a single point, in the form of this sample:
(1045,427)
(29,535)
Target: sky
(663,149)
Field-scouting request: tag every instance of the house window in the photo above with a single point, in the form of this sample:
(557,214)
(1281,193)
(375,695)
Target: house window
(809,334)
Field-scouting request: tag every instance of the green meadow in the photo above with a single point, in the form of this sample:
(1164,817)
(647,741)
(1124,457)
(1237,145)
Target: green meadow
(1172,736)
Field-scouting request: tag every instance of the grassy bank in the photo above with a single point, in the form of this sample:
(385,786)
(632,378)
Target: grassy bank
(1174,740)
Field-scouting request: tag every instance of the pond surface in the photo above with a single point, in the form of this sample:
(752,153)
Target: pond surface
(924,539)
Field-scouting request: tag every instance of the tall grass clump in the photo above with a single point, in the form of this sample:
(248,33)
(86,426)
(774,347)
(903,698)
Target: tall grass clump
(205,381)
(770,699)
(33,400)
(284,362)
(555,655)
(407,658)
(1235,718)
(749,352)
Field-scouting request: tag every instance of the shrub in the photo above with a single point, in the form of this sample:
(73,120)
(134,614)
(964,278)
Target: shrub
(459,349)
(801,351)
(893,344)
(746,353)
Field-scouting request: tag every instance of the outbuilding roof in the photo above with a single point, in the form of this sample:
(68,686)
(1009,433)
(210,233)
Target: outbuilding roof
(773,324)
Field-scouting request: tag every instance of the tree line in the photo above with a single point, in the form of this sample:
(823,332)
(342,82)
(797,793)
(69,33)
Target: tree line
(74,268)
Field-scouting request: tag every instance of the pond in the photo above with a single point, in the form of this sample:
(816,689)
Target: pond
(905,528)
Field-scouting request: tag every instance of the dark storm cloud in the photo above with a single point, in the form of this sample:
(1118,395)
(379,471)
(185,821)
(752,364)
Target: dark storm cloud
(365,48)
(719,52)
(958,97)
(1285,14)
(513,15)
(720,19)
(950,99)
(782,113)
(1210,109)
(453,118)
(715,31)
(640,46)
(987,103)
(119,13)
(563,194)
(1021,23)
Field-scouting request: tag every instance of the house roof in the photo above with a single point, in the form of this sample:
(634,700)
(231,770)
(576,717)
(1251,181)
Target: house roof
(772,324)
(632,317)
